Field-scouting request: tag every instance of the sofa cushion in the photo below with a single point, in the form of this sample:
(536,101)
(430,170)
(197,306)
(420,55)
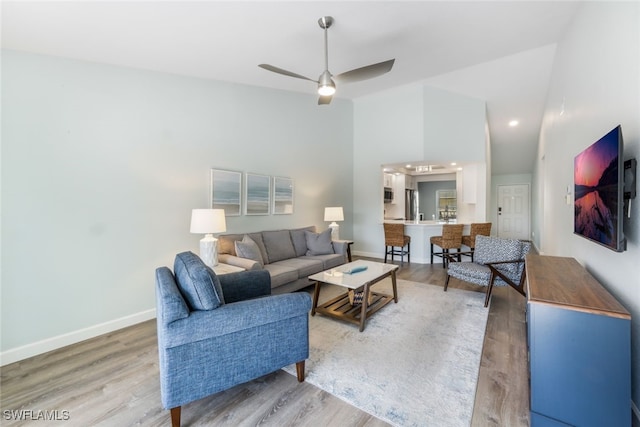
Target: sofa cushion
(281,274)
(305,266)
(329,260)
(299,239)
(319,243)
(279,245)
(247,248)
(198,283)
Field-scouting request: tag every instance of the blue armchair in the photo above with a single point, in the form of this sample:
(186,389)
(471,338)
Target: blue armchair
(215,332)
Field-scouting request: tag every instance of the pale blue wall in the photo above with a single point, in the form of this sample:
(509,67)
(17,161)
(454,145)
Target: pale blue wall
(595,85)
(102,165)
(454,127)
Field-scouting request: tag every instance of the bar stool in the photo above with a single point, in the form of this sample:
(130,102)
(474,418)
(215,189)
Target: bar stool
(451,239)
(394,237)
(477,229)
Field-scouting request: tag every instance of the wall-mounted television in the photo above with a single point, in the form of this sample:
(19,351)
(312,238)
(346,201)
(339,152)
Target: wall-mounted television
(599,189)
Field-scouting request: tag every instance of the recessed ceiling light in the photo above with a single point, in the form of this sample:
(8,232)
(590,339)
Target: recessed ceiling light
(513,123)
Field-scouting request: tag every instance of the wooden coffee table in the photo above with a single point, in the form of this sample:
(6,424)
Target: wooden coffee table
(339,307)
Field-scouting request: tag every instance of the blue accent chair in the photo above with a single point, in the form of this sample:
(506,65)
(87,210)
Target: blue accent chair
(215,332)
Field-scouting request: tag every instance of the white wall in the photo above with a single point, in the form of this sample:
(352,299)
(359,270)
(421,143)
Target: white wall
(454,127)
(410,123)
(595,86)
(101,167)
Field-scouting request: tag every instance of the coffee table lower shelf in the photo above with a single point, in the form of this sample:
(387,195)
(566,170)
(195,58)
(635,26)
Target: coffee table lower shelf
(340,308)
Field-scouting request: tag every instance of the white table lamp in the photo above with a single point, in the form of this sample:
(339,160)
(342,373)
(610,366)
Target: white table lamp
(334,214)
(208,221)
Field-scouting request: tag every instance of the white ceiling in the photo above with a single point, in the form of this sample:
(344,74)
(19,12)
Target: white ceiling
(501,51)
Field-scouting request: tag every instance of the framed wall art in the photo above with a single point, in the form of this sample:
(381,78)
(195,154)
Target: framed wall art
(226,191)
(282,195)
(257,194)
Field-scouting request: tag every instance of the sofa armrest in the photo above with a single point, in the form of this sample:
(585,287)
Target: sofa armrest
(230,318)
(245,285)
(247,264)
(340,247)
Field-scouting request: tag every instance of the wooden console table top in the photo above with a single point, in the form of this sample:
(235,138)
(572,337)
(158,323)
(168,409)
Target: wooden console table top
(563,281)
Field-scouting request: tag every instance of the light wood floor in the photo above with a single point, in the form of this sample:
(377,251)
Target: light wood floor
(112,380)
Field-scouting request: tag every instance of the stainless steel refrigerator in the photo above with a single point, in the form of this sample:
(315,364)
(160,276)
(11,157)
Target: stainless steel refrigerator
(410,205)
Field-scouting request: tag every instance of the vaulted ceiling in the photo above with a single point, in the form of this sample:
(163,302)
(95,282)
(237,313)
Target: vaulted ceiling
(500,51)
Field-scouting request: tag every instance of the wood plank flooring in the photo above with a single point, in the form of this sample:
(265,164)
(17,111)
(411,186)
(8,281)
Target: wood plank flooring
(112,380)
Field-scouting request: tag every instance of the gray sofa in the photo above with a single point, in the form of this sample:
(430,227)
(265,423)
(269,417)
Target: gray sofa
(290,256)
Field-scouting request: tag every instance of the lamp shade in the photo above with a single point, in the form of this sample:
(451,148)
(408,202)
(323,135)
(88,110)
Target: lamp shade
(207,221)
(333,214)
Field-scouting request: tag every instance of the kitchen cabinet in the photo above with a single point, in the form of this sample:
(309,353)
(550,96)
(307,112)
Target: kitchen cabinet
(409,182)
(579,340)
(388,180)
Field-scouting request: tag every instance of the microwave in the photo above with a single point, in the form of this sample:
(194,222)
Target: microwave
(388,194)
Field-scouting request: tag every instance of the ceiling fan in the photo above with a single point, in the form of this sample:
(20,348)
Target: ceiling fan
(326,85)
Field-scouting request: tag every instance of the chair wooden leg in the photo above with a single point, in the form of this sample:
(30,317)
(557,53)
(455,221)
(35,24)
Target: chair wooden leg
(300,371)
(489,289)
(432,253)
(446,283)
(445,252)
(409,253)
(175,416)
(386,252)
(488,297)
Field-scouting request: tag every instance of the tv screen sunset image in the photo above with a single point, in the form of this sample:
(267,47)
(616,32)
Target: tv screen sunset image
(596,190)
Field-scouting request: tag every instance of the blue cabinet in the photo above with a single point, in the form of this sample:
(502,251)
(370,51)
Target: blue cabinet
(579,341)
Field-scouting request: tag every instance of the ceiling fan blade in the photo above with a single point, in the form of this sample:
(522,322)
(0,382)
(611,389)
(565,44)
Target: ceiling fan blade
(284,72)
(323,100)
(364,73)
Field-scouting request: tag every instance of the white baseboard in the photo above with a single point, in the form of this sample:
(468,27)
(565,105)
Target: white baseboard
(53,343)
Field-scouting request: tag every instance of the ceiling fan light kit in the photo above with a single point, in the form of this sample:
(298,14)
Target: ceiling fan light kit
(326,85)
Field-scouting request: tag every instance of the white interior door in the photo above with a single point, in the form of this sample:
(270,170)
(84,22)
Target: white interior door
(513,211)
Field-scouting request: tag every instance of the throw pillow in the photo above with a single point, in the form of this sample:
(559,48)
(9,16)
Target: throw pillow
(247,248)
(299,240)
(198,283)
(319,243)
(279,245)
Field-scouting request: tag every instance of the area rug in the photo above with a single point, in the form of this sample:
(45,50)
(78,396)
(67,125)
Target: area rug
(415,364)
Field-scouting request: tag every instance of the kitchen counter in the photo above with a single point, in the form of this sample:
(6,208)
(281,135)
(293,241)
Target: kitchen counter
(421,233)
(419,223)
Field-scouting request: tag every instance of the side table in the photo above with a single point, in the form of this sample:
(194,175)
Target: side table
(349,243)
